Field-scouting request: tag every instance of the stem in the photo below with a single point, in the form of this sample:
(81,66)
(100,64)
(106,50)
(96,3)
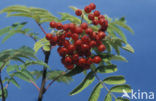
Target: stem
(41,28)
(42,89)
(82,19)
(2,88)
(104,86)
(35,85)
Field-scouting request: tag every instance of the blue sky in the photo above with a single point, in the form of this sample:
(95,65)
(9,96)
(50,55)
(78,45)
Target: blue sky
(139,71)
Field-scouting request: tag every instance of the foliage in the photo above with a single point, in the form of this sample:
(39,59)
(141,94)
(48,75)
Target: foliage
(114,41)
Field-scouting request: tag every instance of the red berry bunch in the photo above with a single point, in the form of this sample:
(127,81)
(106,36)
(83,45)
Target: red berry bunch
(77,41)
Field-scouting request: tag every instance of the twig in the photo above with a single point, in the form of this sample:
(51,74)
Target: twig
(35,85)
(41,28)
(104,86)
(2,88)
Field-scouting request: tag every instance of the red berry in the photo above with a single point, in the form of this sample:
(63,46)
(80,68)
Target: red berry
(49,36)
(91,16)
(66,43)
(95,22)
(96,13)
(92,6)
(89,61)
(59,26)
(53,24)
(65,27)
(93,35)
(97,59)
(72,26)
(78,30)
(84,25)
(71,48)
(68,34)
(68,60)
(101,21)
(106,23)
(69,67)
(92,43)
(54,38)
(101,47)
(82,61)
(101,35)
(78,12)
(87,9)
(88,31)
(78,43)
(85,39)
(85,47)
(75,36)
(97,38)
(101,17)
(75,57)
(63,51)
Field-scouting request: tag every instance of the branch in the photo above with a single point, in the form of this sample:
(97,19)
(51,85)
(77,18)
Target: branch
(41,28)
(104,86)
(42,89)
(2,88)
(35,85)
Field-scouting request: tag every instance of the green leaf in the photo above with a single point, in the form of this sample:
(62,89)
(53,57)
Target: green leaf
(96,92)
(40,43)
(15,8)
(28,74)
(37,74)
(121,99)
(108,97)
(21,76)
(46,48)
(121,88)
(38,14)
(84,84)
(74,71)
(10,34)
(4,30)
(68,17)
(13,81)
(119,58)
(58,76)
(129,48)
(28,63)
(11,54)
(122,24)
(111,32)
(118,31)
(11,68)
(107,69)
(73,8)
(115,80)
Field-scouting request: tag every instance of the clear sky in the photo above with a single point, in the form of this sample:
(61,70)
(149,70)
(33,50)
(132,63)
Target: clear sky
(139,71)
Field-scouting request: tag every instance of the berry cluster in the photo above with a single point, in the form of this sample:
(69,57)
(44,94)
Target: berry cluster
(76,41)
